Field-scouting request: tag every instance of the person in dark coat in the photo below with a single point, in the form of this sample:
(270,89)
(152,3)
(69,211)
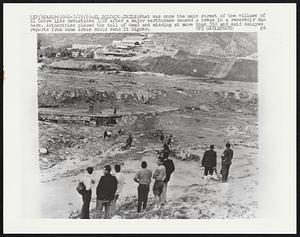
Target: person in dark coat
(128,142)
(170,168)
(162,137)
(226,162)
(169,141)
(105,134)
(106,190)
(165,152)
(209,162)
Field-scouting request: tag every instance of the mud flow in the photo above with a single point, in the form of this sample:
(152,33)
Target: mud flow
(196,111)
(200,88)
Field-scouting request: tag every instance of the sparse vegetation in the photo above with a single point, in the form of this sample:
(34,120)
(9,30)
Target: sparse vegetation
(152,98)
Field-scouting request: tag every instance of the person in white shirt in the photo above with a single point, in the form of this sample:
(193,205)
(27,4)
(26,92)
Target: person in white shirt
(159,175)
(87,195)
(120,180)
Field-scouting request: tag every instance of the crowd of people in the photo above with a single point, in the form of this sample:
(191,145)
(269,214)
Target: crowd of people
(110,186)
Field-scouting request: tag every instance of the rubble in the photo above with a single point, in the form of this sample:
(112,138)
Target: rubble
(204,108)
(45,160)
(216,118)
(44,150)
(187,154)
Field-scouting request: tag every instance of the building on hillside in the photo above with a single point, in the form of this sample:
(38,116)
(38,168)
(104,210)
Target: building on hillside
(149,36)
(148,41)
(118,44)
(87,54)
(134,40)
(75,54)
(118,54)
(86,46)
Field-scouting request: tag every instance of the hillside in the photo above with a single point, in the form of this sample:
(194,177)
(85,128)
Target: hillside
(197,112)
(208,55)
(208,44)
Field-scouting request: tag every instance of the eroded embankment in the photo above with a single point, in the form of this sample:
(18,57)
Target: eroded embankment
(239,69)
(241,102)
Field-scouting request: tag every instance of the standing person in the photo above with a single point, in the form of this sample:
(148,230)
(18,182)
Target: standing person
(169,141)
(159,176)
(128,142)
(170,168)
(209,162)
(226,162)
(88,182)
(121,131)
(120,183)
(166,151)
(91,105)
(115,111)
(106,190)
(162,137)
(105,134)
(143,178)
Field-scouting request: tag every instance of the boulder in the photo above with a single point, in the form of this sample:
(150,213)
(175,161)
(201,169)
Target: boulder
(187,154)
(204,108)
(45,160)
(44,150)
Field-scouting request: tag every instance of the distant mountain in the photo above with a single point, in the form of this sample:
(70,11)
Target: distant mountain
(210,44)
(229,44)
(231,56)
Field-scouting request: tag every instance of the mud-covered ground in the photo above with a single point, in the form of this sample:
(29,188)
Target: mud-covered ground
(196,112)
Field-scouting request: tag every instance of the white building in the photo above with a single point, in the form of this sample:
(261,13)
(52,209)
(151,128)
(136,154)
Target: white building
(86,46)
(75,54)
(134,40)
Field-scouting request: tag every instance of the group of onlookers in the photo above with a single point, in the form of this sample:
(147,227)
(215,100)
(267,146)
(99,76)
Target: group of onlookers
(110,186)
(108,190)
(209,162)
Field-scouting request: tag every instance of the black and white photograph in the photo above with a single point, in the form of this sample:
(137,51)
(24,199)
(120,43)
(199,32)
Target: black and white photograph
(149,118)
(154,126)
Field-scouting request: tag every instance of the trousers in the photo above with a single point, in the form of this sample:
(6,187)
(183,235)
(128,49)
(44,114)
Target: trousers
(164,193)
(99,206)
(225,172)
(208,170)
(143,191)
(85,210)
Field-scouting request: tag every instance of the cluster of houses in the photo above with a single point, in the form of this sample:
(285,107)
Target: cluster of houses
(127,47)
(84,50)
(132,41)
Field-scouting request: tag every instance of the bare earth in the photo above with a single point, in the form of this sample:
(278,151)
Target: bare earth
(196,112)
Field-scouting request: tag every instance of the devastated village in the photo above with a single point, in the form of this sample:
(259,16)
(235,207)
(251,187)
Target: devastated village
(198,88)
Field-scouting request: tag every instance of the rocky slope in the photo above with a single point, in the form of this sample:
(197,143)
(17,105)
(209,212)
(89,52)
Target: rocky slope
(208,44)
(131,90)
(212,55)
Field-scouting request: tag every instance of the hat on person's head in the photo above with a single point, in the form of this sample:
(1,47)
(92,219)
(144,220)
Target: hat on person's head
(107,168)
(211,146)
